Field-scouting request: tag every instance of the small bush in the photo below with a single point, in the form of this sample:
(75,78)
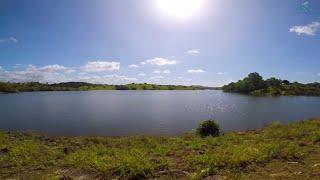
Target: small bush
(208,128)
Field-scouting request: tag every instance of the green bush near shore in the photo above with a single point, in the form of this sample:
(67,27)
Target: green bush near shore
(251,154)
(208,128)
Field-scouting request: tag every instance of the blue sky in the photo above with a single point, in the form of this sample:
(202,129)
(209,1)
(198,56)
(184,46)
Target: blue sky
(136,41)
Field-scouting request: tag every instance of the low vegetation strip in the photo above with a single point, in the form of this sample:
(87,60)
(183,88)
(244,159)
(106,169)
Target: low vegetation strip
(275,152)
(82,86)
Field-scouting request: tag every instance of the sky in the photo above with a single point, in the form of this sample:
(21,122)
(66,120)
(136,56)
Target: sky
(207,42)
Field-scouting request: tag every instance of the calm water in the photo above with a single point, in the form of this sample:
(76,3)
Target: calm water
(118,113)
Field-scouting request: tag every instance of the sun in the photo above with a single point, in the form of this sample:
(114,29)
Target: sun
(180,8)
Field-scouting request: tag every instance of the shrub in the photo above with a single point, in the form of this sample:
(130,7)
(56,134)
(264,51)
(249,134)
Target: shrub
(208,128)
(259,92)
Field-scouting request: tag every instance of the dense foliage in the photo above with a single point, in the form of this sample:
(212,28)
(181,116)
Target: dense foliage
(82,86)
(254,84)
(208,128)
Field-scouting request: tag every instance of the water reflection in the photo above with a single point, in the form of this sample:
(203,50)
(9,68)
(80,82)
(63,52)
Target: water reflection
(118,113)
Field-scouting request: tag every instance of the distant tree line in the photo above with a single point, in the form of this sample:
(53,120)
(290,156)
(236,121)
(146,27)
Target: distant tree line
(82,86)
(254,84)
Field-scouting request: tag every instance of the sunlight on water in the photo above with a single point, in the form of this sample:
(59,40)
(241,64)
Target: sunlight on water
(146,112)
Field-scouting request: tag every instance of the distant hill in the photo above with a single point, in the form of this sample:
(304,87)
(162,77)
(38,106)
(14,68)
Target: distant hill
(83,86)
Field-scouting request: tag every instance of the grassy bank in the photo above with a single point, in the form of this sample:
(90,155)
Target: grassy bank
(274,152)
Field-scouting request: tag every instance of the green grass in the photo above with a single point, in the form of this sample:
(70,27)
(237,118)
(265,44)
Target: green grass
(275,152)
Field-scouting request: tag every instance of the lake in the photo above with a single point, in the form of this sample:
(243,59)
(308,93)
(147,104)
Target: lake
(120,113)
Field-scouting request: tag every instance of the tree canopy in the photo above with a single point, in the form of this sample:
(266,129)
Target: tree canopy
(254,84)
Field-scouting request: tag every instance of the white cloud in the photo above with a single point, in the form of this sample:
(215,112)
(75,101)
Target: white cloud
(157,71)
(133,66)
(302,73)
(108,79)
(16,66)
(195,71)
(167,71)
(141,74)
(159,62)
(58,73)
(32,74)
(13,39)
(101,66)
(193,51)
(223,82)
(69,70)
(309,29)
(182,79)
(52,68)
(156,77)
(221,73)
(10,39)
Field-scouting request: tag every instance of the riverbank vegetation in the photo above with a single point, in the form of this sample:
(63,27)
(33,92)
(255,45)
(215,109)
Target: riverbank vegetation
(275,152)
(82,86)
(254,84)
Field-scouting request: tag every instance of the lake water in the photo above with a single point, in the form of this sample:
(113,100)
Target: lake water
(118,113)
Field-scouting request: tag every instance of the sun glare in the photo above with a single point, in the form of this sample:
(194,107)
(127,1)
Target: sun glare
(180,8)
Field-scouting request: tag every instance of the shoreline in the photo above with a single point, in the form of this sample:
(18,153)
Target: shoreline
(275,150)
(141,90)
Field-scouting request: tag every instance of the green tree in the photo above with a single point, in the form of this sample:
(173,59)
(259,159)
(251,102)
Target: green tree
(273,82)
(208,128)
